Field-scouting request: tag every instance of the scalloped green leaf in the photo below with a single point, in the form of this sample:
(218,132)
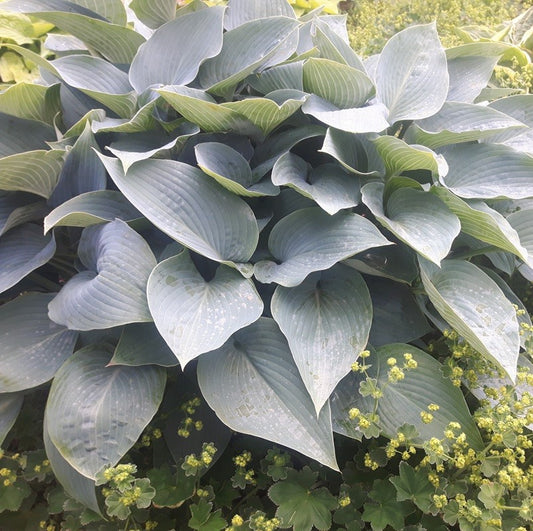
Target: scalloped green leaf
(195,316)
(254,387)
(198,32)
(32,348)
(473,304)
(311,240)
(231,170)
(411,74)
(89,421)
(329,185)
(326,321)
(482,222)
(337,83)
(172,194)
(426,225)
(112,291)
(22,250)
(246,49)
(403,401)
(91,208)
(36,172)
(462,122)
(483,171)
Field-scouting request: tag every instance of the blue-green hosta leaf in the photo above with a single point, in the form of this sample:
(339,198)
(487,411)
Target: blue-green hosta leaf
(397,317)
(263,392)
(337,83)
(328,185)
(311,240)
(23,135)
(333,46)
(94,115)
(31,102)
(32,347)
(141,344)
(488,171)
(111,292)
(91,208)
(141,146)
(10,405)
(100,80)
(36,172)
(356,153)
(201,109)
(82,171)
(369,119)
(78,486)
(462,122)
(326,321)
(269,112)
(403,401)
(184,43)
(285,76)
(474,305)
(96,413)
(143,120)
(17,208)
(23,250)
(522,223)
(190,207)
(399,156)
(483,222)
(154,13)
(118,44)
(241,11)
(416,218)
(411,74)
(112,10)
(231,170)
(246,49)
(195,316)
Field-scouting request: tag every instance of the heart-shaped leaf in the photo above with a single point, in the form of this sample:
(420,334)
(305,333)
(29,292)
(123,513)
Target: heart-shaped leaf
(411,74)
(473,304)
(310,240)
(195,316)
(254,387)
(112,291)
(171,195)
(329,185)
(326,321)
(96,413)
(32,347)
(23,250)
(415,217)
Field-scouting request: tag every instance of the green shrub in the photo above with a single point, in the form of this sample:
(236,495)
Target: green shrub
(241,196)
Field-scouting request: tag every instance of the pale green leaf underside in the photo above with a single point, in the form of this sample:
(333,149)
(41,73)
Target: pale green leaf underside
(190,207)
(482,222)
(91,208)
(254,387)
(22,250)
(111,292)
(32,347)
(476,308)
(195,316)
(310,240)
(403,401)
(326,321)
(89,421)
(31,102)
(416,218)
(330,186)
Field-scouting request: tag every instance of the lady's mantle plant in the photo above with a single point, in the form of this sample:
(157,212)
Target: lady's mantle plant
(233,190)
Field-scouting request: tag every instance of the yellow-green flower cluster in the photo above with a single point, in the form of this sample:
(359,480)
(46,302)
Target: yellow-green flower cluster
(188,423)
(259,522)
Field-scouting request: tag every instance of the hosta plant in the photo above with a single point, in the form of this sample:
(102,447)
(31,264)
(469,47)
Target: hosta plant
(232,199)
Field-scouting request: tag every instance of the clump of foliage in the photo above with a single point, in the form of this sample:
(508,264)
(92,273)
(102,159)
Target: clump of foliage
(373,22)
(231,223)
